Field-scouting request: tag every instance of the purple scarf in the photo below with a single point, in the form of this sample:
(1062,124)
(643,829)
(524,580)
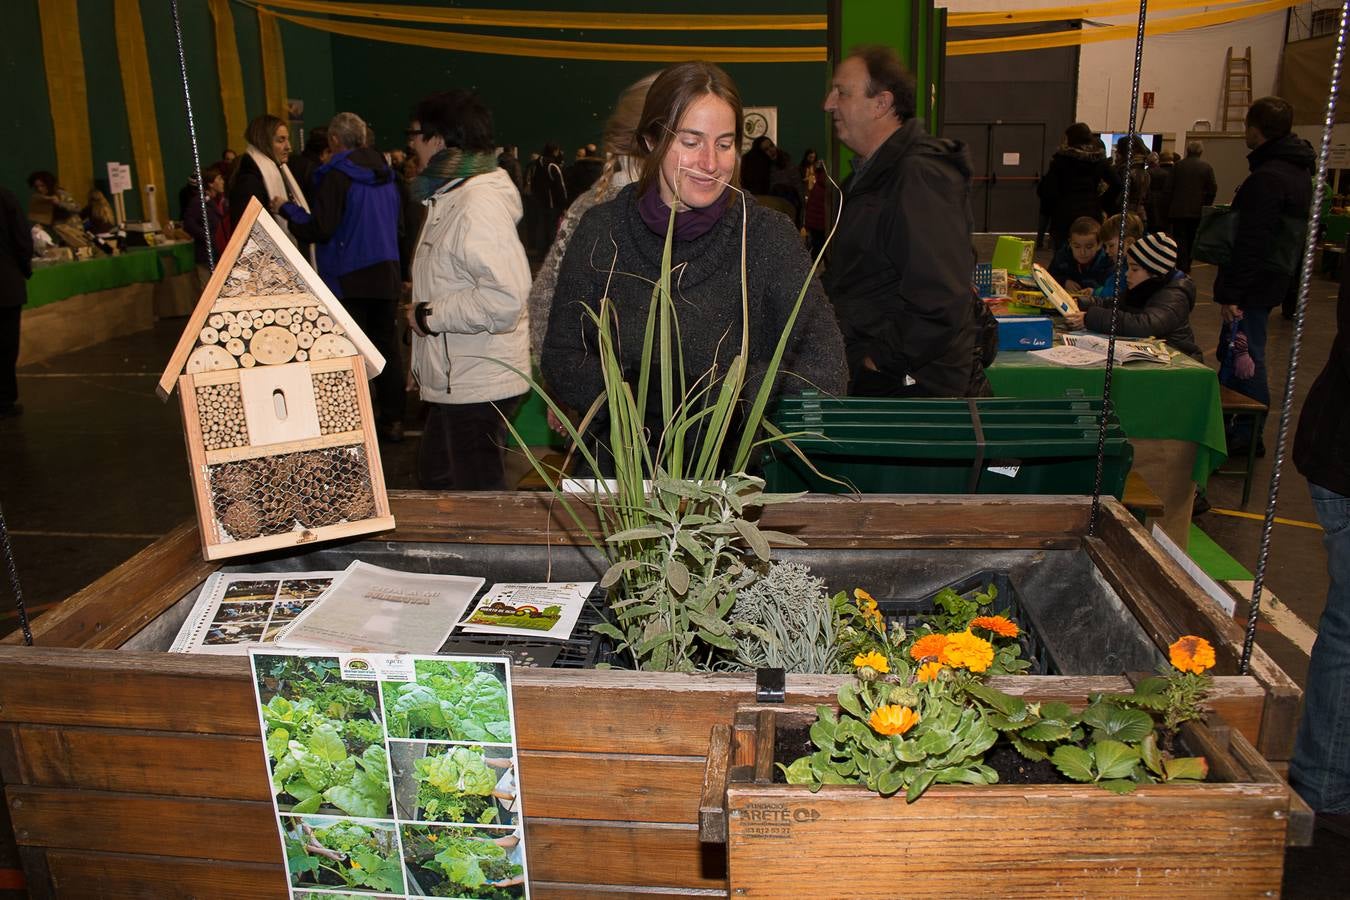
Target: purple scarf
(689,224)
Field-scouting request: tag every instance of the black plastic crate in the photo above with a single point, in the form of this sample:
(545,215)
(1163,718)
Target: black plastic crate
(908,612)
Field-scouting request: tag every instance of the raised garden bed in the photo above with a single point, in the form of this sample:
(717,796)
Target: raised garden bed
(131,772)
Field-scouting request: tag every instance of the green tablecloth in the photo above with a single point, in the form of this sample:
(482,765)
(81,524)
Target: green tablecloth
(139,264)
(1175,402)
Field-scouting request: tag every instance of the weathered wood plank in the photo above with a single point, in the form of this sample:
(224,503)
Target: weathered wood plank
(638,787)
(554,890)
(1001,840)
(113,876)
(116,606)
(623,854)
(235,830)
(223,767)
(712,803)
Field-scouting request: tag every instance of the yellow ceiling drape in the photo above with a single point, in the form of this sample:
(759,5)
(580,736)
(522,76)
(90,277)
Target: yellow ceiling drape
(141,121)
(1068,13)
(549,49)
(1116,32)
(230,74)
(273,64)
(63,58)
(513,18)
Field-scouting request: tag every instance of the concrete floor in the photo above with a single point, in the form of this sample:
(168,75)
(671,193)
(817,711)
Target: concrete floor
(95,470)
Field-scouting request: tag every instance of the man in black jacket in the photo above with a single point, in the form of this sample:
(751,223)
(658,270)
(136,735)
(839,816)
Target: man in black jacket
(1275,196)
(16,266)
(1320,768)
(900,269)
(1191,188)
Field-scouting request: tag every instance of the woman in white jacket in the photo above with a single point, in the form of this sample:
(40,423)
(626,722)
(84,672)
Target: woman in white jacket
(470,283)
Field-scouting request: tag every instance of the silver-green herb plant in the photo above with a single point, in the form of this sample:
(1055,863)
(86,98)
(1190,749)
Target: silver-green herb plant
(786,619)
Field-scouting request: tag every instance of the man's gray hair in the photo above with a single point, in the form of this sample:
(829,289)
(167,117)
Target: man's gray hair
(349,129)
(1194,148)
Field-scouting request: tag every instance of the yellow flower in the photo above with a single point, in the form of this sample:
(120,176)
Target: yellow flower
(872,658)
(355,864)
(999,625)
(1191,654)
(929,671)
(866,598)
(964,650)
(928,647)
(892,719)
(868,607)
(433,837)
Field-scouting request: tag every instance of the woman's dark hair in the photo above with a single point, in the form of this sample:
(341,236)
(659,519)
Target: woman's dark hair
(317,142)
(45,177)
(260,131)
(459,117)
(672,93)
(885,72)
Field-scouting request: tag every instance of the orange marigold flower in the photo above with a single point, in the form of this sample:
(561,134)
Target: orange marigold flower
(1191,654)
(863,596)
(929,671)
(964,650)
(928,647)
(999,625)
(892,719)
(872,658)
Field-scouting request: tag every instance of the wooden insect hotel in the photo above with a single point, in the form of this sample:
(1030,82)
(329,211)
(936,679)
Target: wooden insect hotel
(272,376)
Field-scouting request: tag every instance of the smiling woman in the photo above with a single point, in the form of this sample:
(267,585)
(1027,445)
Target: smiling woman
(688,141)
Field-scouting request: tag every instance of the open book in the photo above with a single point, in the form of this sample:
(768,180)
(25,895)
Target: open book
(1090,350)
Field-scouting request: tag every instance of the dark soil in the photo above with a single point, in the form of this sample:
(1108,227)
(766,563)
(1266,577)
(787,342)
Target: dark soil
(793,740)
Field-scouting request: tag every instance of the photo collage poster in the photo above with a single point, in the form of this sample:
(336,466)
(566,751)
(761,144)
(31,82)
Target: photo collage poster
(235,610)
(393,775)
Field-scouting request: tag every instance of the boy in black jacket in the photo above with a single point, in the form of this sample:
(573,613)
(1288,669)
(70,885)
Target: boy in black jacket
(1158,302)
(1081,264)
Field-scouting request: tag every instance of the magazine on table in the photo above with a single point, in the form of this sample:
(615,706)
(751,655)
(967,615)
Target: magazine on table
(541,610)
(1090,350)
(376,610)
(238,609)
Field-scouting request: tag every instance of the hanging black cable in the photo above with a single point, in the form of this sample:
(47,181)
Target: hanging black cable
(192,134)
(1118,274)
(1286,411)
(8,549)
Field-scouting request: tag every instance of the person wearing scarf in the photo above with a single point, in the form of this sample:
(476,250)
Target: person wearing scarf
(470,281)
(261,173)
(688,139)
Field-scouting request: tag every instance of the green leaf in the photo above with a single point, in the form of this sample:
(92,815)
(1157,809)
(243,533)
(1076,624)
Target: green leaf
(822,734)
(326,744)
(848,699)
(1010,706)
(1188,768)
(1118,785)
(1056,710)
(617,571)
(305,807)
(889,781)
(752,537)
(782,538)
(608,630)
(690,545)
(919,785)
(1074,762)
(1030,751)
(641,533)
(355,803)
(1003,723)
(1149,753)
(1114,759)
(677,576)
(908,751)
(1045,731)
(799,772)
(936,743)
(726,642)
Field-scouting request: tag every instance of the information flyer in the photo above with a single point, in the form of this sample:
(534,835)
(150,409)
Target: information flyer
(393,775)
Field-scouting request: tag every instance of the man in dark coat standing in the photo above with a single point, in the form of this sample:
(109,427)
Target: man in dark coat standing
(1320,767)
(900,267)
(1192,187)
(1080,182)
(1275,196)
(16,266)
(354,223)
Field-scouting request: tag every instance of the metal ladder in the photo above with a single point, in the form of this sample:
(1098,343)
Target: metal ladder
(1237,89)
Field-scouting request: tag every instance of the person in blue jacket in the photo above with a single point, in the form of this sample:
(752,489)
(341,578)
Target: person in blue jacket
(354,221)
(1081,264)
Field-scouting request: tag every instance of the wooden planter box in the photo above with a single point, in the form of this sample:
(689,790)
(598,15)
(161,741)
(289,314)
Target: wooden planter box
(130,772)
(1186,840)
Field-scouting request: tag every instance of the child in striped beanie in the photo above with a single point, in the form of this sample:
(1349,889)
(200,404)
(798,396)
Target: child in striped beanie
(1158,301)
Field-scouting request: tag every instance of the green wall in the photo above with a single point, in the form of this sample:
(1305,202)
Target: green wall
(27,117)
(567,101)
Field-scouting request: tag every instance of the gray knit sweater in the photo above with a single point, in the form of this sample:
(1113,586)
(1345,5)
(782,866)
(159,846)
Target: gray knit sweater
(706,285)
